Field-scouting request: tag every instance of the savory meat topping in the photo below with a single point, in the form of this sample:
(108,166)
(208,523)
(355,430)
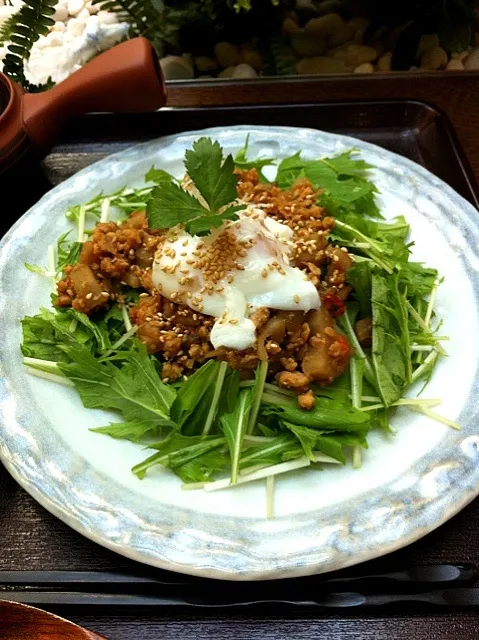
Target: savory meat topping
(300,347)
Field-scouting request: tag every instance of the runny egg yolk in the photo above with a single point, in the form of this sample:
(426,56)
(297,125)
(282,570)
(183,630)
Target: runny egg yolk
(239,267)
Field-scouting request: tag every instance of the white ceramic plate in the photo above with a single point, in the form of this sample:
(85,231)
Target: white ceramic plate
(406,487)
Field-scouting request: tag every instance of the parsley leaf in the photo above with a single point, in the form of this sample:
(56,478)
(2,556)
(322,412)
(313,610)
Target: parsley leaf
(171,205)
(202,226)
(213,178)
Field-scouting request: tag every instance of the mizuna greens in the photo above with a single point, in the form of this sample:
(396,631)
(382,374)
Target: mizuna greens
(213,429)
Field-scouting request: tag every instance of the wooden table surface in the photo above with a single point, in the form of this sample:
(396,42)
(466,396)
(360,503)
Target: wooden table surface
(456,541)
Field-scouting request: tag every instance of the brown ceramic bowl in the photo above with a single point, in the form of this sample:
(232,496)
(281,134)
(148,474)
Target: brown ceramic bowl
(126,78)
(22,622)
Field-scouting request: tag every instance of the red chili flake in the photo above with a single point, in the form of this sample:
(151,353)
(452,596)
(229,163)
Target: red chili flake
(334,305)
(344,344)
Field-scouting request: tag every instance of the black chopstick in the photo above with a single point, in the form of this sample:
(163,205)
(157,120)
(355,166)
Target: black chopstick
(458,597)
(417,575)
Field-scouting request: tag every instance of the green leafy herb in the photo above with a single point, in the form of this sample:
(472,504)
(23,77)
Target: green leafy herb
(35,268)
(234,427)
(202,226)
(229,392)
(134,388)
(158,176)
(171,205)
(330,444)
(204,467)
(68,252)
(390,349)
(257,391)
(46,335)
(326,414)
(133,431)
(242,162)
(359,277)
(214,179)
(192,391)
(178,450)
(278,449)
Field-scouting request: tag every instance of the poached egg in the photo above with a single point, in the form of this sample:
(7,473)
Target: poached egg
(239,267)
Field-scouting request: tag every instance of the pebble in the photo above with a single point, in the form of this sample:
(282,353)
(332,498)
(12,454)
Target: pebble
(244,71)
(356,54)
(177,68)
(427,41)
(358,23)
(54,39)
(459,55)
(227,73)
(59,26)
(75,6)
(308,45)
(227,54)
(384,62)
(92,22)
(251,57)
(321,64)
(292,15)
(366,67)
(472,61)
(92,8)
(455,65)
(342,35)
(359,36)
(325,26)
(76,27)
(205,63)
(290,26)
(84,14)
(434,59)
(107,17)
(61,13)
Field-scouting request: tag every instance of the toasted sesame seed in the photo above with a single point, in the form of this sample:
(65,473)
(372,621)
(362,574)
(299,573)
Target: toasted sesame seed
(296,298)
